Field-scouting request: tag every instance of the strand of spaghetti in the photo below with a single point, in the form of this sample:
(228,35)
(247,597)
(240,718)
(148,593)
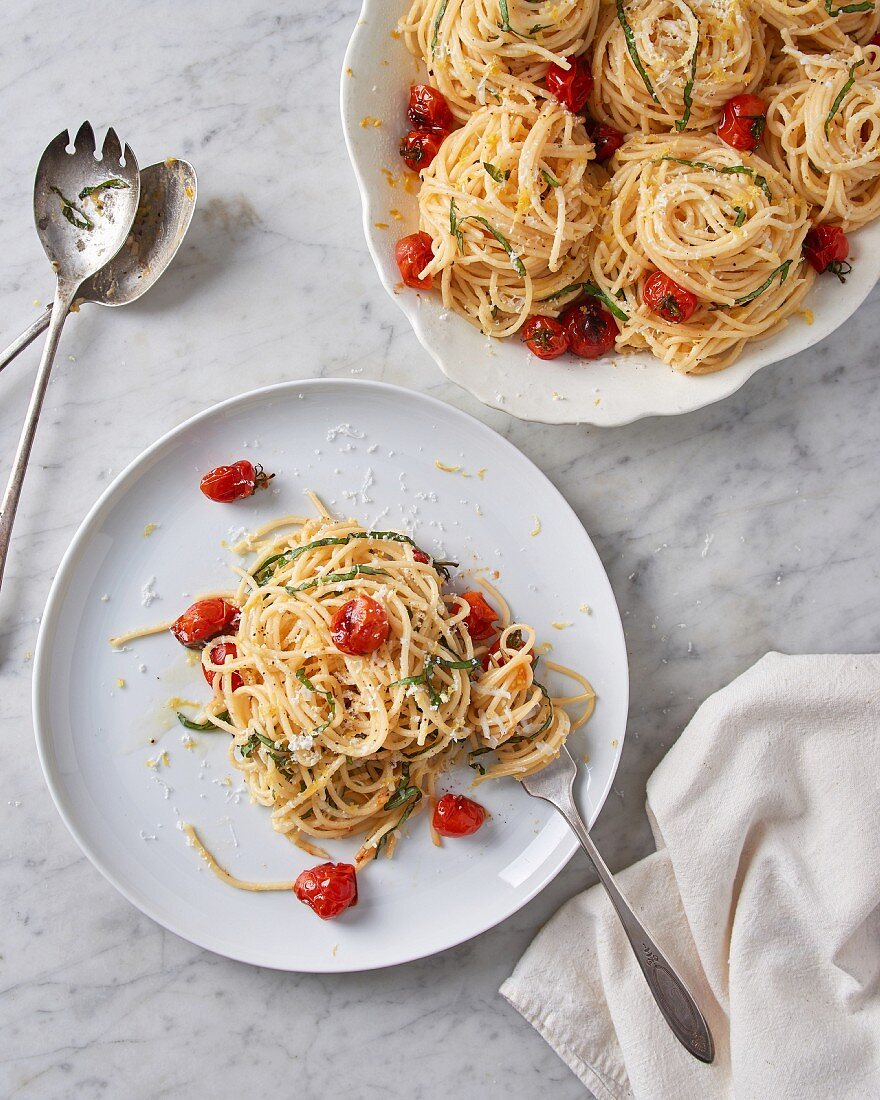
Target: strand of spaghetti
(141,632)
(221,873)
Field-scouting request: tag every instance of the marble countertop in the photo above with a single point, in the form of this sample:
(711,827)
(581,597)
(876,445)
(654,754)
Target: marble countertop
(749,526)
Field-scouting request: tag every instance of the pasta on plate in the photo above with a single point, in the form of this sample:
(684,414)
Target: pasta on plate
(661,175)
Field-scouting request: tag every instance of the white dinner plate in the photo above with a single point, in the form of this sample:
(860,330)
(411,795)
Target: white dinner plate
(369,450)
(377,72)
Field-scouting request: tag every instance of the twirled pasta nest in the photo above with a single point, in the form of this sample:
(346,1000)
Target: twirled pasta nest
(821,24)
(687,50)
(823,131)
(727,228)
(509,203)
(484,51)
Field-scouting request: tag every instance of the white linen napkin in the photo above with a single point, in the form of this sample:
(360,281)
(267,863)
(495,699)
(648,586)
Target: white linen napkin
(764,892)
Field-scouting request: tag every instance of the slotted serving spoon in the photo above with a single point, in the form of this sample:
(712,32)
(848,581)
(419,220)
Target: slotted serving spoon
(84,208)
(167,202)
(554,784)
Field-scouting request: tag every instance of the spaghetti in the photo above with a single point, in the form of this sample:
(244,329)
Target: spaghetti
(483,51)
(730,233)
(338,745)
(823,24)
(509,202)
(660,65)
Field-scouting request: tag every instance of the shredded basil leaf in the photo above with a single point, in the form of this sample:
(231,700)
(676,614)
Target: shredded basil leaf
(436,30)
(403,793)
(474,763)
(71,211)
(841,95)
(496,173)
(328,695)
(594,292)
(403,817)
(202,727)
(336,578)
(728,170)
(781,271)
(112,184)
(681,124)
(264,574)
(848,9)
(633,51)
(455,224)
(550,178)
(740,217)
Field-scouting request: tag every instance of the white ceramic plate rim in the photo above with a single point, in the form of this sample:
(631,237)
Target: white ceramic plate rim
(503,376)
(54,603)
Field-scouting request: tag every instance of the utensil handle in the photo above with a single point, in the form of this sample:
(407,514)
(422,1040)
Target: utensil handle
(671,994)
(28,336)
(63,297)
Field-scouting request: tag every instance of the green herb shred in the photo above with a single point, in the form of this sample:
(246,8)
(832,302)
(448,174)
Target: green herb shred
(781,271)
(107,185)
(740,217)
(437,21)
(550,178)
(841,95)
(594,292)
(455,224)
(681,124)
(496,173)
(202,727)
(848,9)
(727,170)
(633,51)
(336,578)
(71,211)
(328,695)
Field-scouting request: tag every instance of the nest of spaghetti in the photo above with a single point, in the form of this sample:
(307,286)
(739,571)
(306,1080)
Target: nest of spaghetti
(509,202)
(339,745)
(822,24)
(823,132)
(724,225)
(477,52)
(674,63)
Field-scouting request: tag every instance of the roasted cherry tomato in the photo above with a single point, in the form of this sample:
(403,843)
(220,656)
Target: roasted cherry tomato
(228,483)
(204,621)
(359,627)
(481,616)
(428,109)
(419,148)
(606,140)
(742,121)
(826,249)
(455,815)
(667,299)
(544,337)
(413,254)
(328,889)
(875,41)
(218,655)
(570,87)
(420,556)
(500,659)
(590,328)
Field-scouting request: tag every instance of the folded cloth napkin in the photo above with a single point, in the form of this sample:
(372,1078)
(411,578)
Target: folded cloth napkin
(764,892)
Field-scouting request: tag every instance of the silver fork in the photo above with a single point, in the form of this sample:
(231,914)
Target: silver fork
(554,784)
(84,209)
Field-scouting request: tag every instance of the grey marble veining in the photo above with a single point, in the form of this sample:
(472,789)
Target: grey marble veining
(748,526)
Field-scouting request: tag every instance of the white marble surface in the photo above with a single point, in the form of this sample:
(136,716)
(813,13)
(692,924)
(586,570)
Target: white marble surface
(748,526)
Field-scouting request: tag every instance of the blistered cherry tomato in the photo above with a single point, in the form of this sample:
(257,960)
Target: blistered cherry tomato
(455,815)
(544,337)
(359,627)
(428,109)
(667,299)
(228,483)
(495,658)
(875,41)
(742,121)
(606,140)
(571,87)
(590,328)
(328,889)
(481,616)
(413,254)
(420,556)
(419,148)
(218,655)
(204,620)
(826,249)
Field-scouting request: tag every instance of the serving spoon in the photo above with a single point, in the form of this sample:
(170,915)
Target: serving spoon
(84,208)
(167,202)
(554,784)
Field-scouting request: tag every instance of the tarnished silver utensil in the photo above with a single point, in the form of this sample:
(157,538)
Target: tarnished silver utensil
(554,784)
(84,208)
(167,201)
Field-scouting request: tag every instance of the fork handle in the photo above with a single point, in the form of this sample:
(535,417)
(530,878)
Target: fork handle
(671,994)
(64,293)
(27,337)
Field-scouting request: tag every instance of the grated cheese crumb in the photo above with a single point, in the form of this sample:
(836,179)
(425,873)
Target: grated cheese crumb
(149,529)
(561,626)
